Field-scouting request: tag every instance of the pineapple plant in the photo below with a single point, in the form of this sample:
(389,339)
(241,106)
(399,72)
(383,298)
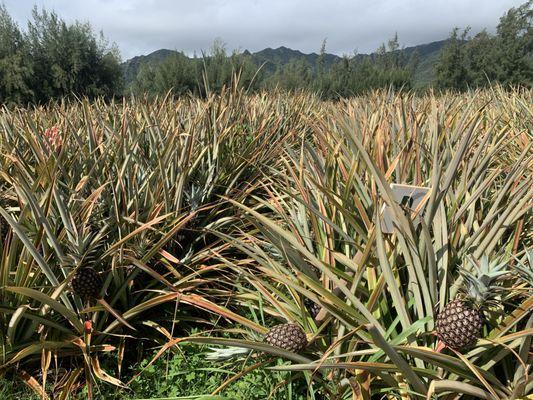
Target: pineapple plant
(459,324)
(87,283)
(288,336)
(83,253)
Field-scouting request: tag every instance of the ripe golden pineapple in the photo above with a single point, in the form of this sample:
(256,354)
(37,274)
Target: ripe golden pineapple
(87,284)
(289,337)
(459,324)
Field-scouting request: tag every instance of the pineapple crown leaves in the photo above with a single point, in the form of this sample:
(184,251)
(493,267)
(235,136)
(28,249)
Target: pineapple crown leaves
(85,249)
(524,267)
(195,194)
(482,280)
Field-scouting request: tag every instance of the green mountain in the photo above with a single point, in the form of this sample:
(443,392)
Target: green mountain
(428,57)
(283,55)
(270,58)
(131,67)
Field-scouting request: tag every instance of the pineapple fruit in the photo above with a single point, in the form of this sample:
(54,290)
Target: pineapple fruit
(87,284)
(459,324)
(289,337)
(4,228)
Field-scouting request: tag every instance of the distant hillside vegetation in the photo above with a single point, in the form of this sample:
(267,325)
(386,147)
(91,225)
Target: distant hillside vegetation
(131,67)
(272,58)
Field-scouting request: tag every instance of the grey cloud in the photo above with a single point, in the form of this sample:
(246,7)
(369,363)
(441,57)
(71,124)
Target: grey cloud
(140,27)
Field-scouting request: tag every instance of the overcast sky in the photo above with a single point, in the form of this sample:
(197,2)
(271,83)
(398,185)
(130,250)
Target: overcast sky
(142,26)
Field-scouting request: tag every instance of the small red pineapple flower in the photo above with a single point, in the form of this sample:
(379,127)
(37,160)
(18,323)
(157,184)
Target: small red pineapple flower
(53,137)
(88,325)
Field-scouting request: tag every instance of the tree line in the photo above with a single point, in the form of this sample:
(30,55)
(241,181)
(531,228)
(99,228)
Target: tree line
(506,57)
(215,69)
(53,59)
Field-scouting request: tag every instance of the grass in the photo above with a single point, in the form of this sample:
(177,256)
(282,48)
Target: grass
(212,220)
(186,374)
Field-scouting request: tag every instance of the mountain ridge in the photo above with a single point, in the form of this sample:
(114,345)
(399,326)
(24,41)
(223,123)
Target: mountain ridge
(272,57)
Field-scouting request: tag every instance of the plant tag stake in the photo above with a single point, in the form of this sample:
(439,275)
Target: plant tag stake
(412,199)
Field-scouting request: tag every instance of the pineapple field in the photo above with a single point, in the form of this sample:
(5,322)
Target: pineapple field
(251,227)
